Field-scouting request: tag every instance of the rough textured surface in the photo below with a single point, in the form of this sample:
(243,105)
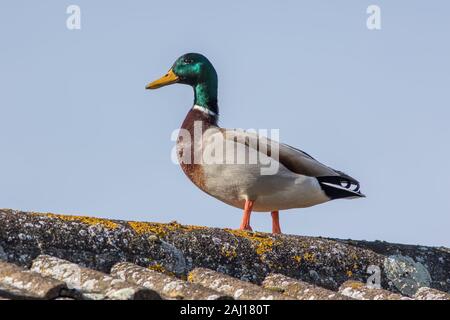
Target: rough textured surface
(16,282)
(422,260)
(358,290)
(238,289)
(173,248)
(91,284)
(166,285)
(425,293)
(299,289)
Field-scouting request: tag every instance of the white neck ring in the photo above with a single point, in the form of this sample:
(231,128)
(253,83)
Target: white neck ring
(204,110)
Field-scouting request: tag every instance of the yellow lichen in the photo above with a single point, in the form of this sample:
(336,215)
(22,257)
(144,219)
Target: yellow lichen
(160,268)
(190,277)
(157,267)
(264,243)
(356,284)
(349,273)
(147,227)
(160,229)
(190,228)
(86,220)
(309,257)
(298,259)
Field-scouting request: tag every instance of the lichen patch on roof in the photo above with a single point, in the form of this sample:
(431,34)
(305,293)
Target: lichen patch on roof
(160,229)
(262,241)
(109,224)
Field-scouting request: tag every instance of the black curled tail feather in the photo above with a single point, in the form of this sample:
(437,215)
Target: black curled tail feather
(338,187)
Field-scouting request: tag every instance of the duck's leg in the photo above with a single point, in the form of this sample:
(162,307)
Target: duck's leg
(276,229)
(245,224)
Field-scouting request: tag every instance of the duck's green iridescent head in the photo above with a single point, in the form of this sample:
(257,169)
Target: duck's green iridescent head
(191,69)
(195,70)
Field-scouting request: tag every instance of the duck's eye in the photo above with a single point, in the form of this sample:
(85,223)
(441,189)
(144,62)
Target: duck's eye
(187,61)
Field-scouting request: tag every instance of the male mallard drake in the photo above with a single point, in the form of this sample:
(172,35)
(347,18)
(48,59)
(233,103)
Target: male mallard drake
(300,181)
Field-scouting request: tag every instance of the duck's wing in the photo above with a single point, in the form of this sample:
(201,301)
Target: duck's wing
(335,183)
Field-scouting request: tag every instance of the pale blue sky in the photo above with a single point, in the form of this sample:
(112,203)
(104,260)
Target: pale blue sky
(80,135)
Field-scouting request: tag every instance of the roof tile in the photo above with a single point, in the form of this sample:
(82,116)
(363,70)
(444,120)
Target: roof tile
(358,290)
(21,283)
(299,289)
(426,293)
(166,285)
(238,289)
(91,283)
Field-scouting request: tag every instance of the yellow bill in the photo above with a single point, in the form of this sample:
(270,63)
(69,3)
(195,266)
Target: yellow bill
(169,78)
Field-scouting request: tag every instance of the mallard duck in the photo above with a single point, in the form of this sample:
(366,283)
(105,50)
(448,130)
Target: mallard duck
(300,180)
